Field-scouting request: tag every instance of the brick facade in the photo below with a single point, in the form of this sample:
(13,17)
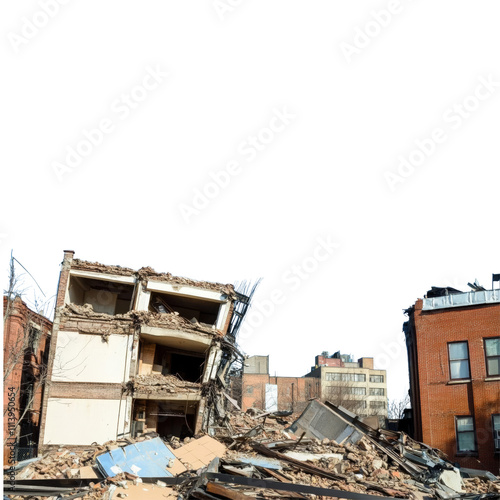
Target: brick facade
(437,399)
(293,392)
(26,345)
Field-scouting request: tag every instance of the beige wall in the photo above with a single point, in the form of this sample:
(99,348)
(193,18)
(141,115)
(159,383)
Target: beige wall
(68,421)
(83,357)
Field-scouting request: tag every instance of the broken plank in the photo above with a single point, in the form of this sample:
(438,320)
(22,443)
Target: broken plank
(283,479)
(222,491)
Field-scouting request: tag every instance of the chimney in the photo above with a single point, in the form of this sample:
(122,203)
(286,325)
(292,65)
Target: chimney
(365,363)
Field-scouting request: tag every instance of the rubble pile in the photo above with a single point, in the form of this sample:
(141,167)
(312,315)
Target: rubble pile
(266,455)
(155,383)
(172,320)
(121,323)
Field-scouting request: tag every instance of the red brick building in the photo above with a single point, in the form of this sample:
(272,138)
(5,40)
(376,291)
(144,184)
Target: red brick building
(453,343)
(260,390)
(293,393)
(25,350)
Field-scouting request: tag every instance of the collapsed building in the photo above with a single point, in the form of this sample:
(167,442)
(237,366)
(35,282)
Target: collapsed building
(135,352)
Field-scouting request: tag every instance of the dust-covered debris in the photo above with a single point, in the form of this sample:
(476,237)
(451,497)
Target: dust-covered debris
(148,273)
(362,468)
(156,383)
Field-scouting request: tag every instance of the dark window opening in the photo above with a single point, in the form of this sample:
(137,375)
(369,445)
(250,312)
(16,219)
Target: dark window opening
(34,337)
(495,423)
(167,418)
(104,296)
(190,308)
(186,367)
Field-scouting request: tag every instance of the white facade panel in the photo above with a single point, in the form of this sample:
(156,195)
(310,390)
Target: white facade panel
(271,397)
(81,421)
(88,358)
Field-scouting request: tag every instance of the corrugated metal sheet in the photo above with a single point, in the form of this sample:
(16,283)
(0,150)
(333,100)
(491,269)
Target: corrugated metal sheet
(462,300)
(145,459)
(318,421)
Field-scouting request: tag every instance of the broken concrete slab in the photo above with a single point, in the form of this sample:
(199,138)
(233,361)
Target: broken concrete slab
(452,479)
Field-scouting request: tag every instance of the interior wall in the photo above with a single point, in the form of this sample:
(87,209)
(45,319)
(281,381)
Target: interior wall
(105,296)
(102,301)
(88,358)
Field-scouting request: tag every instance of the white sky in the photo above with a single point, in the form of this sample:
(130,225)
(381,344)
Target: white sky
(358,101)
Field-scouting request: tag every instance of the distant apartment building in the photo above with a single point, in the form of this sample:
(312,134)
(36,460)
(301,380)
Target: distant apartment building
(135,351)
(355,385)
(263,391)
(26,344)
(453,343)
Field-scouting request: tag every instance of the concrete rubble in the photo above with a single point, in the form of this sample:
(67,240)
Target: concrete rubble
(261,455)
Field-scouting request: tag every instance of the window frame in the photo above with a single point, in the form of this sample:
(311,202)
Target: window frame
(376,381)
(357,391)
(457,433)
(488,374)
(459,359)
(496,441)
(345,377)
(377,391)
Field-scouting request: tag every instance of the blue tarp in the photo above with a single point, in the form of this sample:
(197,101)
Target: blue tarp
(144,459)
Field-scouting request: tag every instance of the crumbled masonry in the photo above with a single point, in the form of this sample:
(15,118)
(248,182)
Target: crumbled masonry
(146,273)
(121,323)
(159,384)
(255,455)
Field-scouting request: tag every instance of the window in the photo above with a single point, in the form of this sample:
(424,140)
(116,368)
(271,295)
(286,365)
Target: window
(492,353)
(378,379)
(346,377)
(377,392)
(495,421)
(459,360)
(466,436)
(377,404)
(360,391)
(35,334)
